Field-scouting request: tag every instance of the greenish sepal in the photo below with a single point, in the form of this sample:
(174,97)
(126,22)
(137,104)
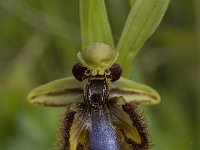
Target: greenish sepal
(95,25)
(57,93)
(134,92)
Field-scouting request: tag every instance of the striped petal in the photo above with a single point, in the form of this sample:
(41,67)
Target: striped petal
(134,92)
(57,93)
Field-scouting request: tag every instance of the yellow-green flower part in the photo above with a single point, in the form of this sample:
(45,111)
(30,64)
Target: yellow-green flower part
(98,57)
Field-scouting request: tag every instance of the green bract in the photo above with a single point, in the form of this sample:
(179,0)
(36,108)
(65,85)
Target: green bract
(143,19)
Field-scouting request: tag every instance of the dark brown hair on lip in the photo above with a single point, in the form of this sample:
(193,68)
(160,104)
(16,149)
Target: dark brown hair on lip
(63,143)
(139,123)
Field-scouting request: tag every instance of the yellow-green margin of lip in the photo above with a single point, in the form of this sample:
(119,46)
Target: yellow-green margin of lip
(98,56)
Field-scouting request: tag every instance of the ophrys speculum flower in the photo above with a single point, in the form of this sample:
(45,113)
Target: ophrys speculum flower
(101,105)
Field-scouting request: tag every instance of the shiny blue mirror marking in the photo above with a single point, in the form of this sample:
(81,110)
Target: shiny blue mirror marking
(101,132)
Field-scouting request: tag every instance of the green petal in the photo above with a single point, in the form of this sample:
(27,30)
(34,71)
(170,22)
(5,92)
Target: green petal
(57,93)
(95,25)
(144,17)
(134,92)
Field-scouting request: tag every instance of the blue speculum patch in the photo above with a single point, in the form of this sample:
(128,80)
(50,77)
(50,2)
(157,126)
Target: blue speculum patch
(101,133)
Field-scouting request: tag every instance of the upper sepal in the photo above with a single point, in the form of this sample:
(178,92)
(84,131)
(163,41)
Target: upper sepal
(57,93)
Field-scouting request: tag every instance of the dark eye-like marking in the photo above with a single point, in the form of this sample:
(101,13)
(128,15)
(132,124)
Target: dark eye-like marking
(78,71)
(115,71)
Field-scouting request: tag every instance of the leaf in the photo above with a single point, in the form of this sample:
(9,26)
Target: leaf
(144,18)
(132,2)
(94,23)
(134,92)
(57,93)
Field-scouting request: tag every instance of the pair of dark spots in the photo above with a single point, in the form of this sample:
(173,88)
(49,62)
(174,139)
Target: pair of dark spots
(81,72)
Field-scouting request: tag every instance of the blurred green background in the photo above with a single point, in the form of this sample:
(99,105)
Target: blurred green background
(38,43)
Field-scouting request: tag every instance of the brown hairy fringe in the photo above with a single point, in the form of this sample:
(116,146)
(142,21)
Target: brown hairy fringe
(64,131)
(139,123)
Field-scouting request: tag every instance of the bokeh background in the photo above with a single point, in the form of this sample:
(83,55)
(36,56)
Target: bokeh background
(38,43)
